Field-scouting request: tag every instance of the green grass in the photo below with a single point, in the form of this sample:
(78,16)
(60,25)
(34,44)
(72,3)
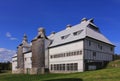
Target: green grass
(114,64)
(111,73)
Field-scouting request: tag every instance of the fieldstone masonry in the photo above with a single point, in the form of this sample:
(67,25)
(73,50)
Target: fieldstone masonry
(20,60)
(38,53)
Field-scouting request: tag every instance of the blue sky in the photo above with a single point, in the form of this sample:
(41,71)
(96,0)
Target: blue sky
(26,16)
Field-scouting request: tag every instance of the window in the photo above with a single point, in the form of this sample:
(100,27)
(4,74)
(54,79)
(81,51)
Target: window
(64,67)
(80,52)
(30,58)
(55,67)
(66,54)
(94,54)
(51,67)
(89,43)
(77,52)
(68,67)
(100,46)
(25,59)
(71,66)
(51,56)
(64,37)
(77,32)
(58,67)
(75,66)
(74,53)
(111,49)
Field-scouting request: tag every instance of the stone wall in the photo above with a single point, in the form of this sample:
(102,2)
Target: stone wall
(20,60)
(38,56)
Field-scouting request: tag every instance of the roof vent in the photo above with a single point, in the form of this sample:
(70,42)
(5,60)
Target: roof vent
(84,20)
(53,32)
(68,26)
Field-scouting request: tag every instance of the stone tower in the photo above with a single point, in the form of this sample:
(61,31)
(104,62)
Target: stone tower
(23,47)
(20,59)
(38,52)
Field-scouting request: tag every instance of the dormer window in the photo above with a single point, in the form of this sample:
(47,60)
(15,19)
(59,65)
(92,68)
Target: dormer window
(77,32)
(93,27)
(65,36)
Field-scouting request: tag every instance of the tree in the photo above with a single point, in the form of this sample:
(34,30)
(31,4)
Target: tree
(116,56)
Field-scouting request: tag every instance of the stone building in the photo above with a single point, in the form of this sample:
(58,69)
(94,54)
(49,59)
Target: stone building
(75,49)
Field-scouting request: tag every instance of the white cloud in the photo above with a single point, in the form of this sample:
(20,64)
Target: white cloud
(12,38)
(9,35)
(6,54)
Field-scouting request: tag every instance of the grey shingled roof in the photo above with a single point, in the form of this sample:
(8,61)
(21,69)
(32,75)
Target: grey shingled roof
(86,32)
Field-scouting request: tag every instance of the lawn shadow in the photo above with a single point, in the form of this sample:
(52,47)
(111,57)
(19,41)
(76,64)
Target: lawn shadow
(65,79)
(3,71)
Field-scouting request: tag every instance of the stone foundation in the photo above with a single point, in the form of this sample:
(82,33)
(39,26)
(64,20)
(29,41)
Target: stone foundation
(37,70)
(18,71)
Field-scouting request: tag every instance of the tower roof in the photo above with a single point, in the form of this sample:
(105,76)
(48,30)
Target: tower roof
(25,41)
(24,38)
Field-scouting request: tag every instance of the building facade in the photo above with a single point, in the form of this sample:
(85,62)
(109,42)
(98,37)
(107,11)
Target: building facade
(76,49)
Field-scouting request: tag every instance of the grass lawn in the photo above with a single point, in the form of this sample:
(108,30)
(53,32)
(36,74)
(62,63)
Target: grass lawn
(109,74)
